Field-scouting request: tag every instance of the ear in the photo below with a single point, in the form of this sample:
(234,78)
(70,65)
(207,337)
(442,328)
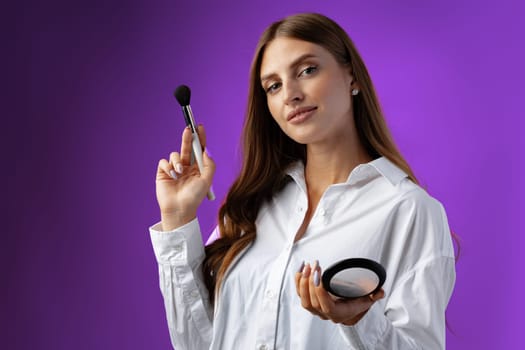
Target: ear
(353,86)
(352,83)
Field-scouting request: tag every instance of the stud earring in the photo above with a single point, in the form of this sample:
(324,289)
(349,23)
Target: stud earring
(355,92)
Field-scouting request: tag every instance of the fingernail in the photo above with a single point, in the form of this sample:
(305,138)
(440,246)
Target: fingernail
(207,150)
(301,267)
(178,168)
(316,278)
(316,263)
(173,174)
(306,270)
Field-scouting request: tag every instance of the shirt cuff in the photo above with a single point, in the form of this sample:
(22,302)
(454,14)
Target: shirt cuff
(181,245)
(366,333)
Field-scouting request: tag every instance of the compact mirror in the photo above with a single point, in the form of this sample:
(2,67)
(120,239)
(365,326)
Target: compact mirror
(354,278)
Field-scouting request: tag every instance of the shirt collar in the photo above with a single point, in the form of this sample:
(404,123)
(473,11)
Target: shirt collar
(381,166)
(389,170)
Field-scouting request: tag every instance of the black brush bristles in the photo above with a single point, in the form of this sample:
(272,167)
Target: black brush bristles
(183,94)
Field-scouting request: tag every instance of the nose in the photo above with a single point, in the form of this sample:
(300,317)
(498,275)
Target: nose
(292,92)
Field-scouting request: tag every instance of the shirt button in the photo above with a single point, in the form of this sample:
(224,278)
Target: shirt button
(269,294)
(263,347)
(322,212)
(194,294)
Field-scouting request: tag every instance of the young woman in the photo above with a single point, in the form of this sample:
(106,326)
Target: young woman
(321,181)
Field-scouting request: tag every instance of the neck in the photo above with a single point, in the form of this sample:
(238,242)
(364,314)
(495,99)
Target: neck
(329,164)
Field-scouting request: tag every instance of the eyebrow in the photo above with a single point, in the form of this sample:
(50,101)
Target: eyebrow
(296,62)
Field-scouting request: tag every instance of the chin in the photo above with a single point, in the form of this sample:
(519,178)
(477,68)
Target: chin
(303,139)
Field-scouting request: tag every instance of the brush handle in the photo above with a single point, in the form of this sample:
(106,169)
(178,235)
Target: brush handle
(197,152)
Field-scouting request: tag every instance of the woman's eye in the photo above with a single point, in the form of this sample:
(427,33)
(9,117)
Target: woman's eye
(308,70)
(272,87)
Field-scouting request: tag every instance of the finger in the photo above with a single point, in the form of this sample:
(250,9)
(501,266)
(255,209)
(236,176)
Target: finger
(175,162)
(202,136)
(165,170)
(297,278)
(314,301)
(313,283)
(380,294)
(304,288)
(185,147)
(326,302)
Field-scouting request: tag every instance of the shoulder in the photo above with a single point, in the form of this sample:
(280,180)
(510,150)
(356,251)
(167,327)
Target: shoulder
(413,196)
(394,182)
(424,220)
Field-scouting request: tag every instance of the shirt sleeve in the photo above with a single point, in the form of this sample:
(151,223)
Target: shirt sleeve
(412,314)
(180,254)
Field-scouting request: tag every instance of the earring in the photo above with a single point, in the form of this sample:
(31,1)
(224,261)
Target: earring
(355,92)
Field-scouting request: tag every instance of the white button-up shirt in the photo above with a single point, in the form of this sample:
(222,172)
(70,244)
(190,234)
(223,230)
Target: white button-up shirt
(378,213)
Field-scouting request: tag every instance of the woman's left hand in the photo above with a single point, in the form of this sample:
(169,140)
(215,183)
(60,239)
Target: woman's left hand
(318,301)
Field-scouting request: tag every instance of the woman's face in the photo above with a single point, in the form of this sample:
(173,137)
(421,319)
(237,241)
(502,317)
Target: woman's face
(308,91)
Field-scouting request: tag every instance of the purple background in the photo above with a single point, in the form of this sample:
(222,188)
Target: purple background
(89,111)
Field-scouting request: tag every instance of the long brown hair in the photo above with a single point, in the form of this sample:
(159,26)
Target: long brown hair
(267,151)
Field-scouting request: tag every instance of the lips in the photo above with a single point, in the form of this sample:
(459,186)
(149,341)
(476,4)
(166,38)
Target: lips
(298,112)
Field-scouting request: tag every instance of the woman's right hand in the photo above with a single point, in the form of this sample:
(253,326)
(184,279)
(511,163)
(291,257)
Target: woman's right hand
(180,197)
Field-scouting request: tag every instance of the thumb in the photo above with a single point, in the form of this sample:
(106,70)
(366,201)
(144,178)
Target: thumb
(380,294)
